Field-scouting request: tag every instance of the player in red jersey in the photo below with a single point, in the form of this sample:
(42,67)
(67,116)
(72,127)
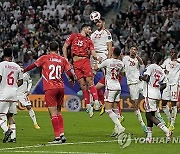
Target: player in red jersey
(53,66)
(81,45)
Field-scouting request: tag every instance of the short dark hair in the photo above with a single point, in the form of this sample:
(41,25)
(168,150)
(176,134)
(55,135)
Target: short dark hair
(85,25)
(8,52)
(53,46)
(157,57)
(116,52)
(102,19)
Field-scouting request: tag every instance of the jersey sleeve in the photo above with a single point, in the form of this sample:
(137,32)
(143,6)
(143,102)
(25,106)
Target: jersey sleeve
(39,62)
(70,39)
(148,70)
(103,64)
(109,36)
(20,76)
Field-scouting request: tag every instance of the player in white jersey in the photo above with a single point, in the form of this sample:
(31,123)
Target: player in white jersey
(113,67)
(155,80)
(102,40)
(22,95)
(10,79)
(133,65)
(172,70)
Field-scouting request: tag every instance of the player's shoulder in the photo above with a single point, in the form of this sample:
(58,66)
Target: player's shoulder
(107,31)
(126,57)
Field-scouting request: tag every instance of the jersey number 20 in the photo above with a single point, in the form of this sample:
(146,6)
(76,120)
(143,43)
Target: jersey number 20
(55,72)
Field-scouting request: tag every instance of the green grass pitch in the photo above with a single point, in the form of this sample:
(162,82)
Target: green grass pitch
(84,135)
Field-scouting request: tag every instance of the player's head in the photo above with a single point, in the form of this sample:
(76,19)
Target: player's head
(133,51)
(8,54)
(86,29)
(20,63)
(116,52)
(54,46)
(173,53)
(157,57)
(100,24)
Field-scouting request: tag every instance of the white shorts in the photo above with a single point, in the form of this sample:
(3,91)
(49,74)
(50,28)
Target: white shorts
(150,105)
(135,90)
(24,100)
(170,93)
(112,96)
(8,107)
(99,55)
(8,94)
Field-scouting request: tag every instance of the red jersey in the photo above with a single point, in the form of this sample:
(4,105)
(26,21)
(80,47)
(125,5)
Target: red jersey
(80,45)
(53,66)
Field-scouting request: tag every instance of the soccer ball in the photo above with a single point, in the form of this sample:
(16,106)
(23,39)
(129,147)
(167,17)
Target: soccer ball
(94,16)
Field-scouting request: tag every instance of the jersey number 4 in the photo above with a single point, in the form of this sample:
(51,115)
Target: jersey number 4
(55,72)
(10,78)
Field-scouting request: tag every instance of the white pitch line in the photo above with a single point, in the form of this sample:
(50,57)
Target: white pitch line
(55,152)
(46,145)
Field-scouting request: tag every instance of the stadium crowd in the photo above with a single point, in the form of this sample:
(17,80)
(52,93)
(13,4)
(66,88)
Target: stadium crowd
(152,25)
(28,26)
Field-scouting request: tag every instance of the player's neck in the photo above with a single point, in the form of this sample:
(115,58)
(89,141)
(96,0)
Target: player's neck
(101,29)
(132,56)
(83,34)
(53,52)
(8,59)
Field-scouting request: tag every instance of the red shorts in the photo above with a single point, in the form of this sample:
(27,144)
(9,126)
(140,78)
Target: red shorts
(54,97)
(102,80)
(82,68)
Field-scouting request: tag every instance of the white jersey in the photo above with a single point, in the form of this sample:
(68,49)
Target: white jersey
(132,69)
(100,38)
(11,73)
(113,68)
(27,84)
(173,67)
(152,88)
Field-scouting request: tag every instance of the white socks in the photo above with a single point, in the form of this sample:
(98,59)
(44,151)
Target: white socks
(149,132)
(173,115)
(3,122)
(158,116)
(114,118)
(167,113)
(13,128)
(163,127)
(33,116)
(138,114)
(116,111)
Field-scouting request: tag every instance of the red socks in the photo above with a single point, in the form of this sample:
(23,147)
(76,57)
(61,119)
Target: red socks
(93,91)
(61,124)
(100,95)
(86,95)
(55,123)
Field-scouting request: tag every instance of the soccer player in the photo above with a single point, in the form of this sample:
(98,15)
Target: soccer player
(155,81)
(53,66)
(10,78)
(102,40)
(22,95)
(133,65)
(113,67)
(172,70)
(81,44)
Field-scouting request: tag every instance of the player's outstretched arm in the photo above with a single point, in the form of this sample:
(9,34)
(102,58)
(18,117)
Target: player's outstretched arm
(30,67)
(71,77)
